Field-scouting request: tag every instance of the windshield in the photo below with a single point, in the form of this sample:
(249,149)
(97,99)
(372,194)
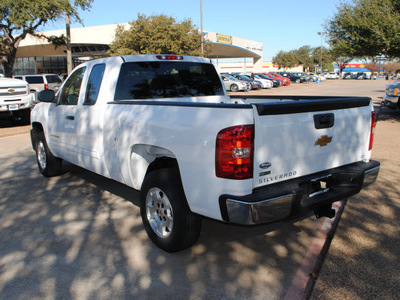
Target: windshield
(167,79)
(230,77)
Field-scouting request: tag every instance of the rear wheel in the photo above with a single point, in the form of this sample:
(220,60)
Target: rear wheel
(48,164)
(166,216)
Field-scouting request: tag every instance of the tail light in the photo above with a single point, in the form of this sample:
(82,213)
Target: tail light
(46,86)
(371,136)
(234,152)
(170,57)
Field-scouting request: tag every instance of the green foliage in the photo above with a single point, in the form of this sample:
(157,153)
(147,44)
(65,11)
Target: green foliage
(158,34)
(306,56)
(18,18)
(363,28)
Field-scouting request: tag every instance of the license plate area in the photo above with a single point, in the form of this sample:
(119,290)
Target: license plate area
(317,186)
(12,107)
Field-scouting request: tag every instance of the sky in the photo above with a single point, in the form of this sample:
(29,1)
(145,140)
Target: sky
(278,24)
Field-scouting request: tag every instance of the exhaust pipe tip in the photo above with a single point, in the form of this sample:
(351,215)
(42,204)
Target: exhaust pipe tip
(326,211)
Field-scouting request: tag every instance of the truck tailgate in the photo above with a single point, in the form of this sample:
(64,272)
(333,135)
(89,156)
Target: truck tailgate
(294,138)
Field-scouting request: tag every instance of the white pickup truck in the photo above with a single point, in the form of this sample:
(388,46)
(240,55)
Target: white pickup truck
(164,125)
(16,100)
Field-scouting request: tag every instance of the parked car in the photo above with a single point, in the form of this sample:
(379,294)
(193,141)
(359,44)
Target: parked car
(332,75)
(15,100)
(286,81)
(40,82)
(306,76)
(322,76)
(392,95)
(317,76)
(293,77)
(265,83)
(348,75)
(255,85)
(234,85)
(281,81)
(362,75)
(275,82)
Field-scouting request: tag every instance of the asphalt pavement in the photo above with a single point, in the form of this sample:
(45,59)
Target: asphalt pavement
(79,235)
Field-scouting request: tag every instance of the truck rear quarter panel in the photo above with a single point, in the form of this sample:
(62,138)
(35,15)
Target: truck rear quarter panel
(136,134)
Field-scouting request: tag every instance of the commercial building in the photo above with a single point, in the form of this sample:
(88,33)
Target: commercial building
(36,55)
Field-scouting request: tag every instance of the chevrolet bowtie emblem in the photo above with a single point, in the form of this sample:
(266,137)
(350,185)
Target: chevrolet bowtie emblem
(323,141)
(11,91)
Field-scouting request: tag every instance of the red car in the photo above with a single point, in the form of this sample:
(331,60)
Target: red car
(285,80)
(281,83)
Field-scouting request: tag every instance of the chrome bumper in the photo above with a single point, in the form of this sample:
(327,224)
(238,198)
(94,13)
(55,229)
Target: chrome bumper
(295,196)
(390,101)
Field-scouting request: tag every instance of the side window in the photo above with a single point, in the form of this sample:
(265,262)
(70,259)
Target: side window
(94,83)
(69,94)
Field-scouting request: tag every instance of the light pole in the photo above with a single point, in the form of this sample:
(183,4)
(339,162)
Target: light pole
(321,33)
(69,53)
(201,27)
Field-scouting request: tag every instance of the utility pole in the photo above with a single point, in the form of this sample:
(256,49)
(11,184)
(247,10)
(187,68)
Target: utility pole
(201,28)
(69,54)
(322,37)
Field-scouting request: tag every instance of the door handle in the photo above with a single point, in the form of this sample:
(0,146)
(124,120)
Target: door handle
(70,118)
(322,121)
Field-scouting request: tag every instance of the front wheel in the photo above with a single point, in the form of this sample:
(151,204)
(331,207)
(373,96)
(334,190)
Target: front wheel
(234,88)
(166,216)
(48,164)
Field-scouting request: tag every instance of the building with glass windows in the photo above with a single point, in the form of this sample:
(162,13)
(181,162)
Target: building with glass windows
(36,55)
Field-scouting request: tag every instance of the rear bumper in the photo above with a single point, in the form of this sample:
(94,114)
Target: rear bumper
(297,196)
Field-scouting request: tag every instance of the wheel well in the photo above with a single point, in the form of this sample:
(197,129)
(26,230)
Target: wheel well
(36,129)
(161,163)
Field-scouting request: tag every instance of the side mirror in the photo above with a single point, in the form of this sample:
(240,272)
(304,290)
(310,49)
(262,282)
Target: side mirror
(46,96)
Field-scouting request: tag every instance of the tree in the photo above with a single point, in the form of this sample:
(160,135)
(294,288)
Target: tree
(391,67)
(366,28)
(285,59)
(18,18)
(157,34)
(373,67)
(305,56)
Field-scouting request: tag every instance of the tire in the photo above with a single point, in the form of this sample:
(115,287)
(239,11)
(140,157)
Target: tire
(166,216)
(234,88)
(48,164)
(297,80)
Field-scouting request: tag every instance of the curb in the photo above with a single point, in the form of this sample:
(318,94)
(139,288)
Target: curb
(306,276)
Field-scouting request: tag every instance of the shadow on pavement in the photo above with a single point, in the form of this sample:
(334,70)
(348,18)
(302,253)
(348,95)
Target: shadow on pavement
(363,260)
(77,236)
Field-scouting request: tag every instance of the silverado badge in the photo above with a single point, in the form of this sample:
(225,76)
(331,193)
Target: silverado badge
(323,141)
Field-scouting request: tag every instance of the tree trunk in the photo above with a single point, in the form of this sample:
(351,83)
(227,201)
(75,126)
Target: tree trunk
(8,63)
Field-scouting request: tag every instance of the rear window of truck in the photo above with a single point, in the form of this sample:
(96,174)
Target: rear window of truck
(34,79)
(53,79)
(150,80)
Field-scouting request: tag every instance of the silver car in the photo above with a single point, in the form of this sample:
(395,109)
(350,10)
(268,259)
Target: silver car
(234,85)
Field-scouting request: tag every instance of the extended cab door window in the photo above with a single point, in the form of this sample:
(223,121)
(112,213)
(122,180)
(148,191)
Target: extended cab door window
(94,83)
(69,94)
